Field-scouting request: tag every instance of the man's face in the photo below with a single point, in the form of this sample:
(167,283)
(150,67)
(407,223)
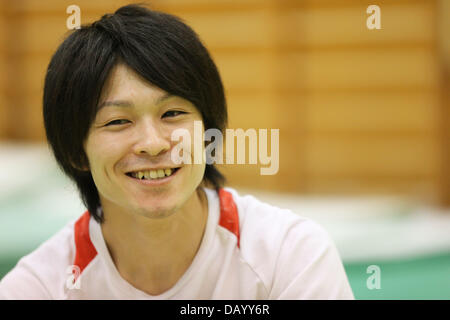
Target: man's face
(131,137)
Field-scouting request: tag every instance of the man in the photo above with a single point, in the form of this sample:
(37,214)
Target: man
(114,93)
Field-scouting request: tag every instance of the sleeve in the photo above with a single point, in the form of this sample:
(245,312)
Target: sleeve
(309,266)
(42,274)
(22,283)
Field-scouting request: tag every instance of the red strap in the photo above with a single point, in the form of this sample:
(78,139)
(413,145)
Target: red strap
(229,218)
(85,250)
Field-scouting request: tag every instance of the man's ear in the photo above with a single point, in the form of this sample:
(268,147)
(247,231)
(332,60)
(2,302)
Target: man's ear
(84,166)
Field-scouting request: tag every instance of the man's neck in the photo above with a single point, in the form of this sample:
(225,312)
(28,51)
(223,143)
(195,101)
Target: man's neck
(153,254)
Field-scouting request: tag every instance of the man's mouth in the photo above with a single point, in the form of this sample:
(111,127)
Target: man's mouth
(152,174)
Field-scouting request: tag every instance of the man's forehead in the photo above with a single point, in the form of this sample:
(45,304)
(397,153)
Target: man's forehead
(124,84)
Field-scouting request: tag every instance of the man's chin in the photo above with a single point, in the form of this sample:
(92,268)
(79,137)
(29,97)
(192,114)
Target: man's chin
(156,212)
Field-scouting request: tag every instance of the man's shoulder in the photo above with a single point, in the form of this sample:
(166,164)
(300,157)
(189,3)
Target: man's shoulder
(60,246)
(263,219)
(283,247)
(266,229)
(40,273)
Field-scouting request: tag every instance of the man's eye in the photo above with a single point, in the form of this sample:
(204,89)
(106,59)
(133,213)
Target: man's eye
(117,122)
(173,113)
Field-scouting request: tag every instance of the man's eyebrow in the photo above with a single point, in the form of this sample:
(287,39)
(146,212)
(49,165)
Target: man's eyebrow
(116,103)
(127,103)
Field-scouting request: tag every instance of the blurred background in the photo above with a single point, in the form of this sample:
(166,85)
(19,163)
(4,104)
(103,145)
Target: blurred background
(363,118)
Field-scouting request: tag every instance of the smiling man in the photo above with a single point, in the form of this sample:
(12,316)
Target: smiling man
(114,93)
(142,193)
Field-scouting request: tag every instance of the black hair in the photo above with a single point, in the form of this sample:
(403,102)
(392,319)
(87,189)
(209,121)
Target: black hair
(157,46)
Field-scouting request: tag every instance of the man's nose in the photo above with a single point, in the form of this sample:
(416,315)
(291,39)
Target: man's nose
(151,139)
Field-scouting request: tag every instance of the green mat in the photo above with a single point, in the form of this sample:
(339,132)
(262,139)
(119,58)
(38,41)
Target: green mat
(419,279)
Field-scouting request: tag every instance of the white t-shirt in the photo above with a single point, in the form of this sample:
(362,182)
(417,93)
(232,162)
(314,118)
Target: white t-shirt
(250,250)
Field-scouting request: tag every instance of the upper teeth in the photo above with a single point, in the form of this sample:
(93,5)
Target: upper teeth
(152,174)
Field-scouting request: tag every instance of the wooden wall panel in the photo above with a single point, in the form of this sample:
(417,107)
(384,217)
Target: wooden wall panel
(36,66)
(327,155)
(355,69)
(359,111)
(346,26)
(252,71)
(37,40)
(410,112)
(253,111)
(3,77)
(225,29)
(367,101)
(443,34)
(417,188)
(58,7)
